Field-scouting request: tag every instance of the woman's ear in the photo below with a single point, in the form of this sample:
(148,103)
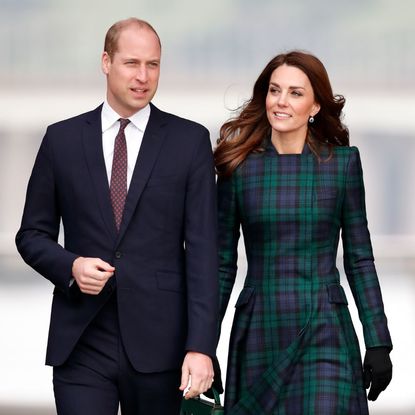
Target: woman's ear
(315,110)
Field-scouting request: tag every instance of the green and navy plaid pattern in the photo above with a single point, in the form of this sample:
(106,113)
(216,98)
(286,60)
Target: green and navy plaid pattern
(293,348)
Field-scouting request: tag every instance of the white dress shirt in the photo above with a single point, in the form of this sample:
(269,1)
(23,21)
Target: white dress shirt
(133,135)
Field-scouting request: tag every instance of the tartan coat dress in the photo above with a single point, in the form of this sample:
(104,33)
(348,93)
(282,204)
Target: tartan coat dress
(293,349)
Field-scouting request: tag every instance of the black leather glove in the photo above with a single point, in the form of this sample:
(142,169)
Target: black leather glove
(377,371)
(217,379)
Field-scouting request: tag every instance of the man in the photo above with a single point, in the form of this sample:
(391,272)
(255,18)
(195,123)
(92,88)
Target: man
(133,318)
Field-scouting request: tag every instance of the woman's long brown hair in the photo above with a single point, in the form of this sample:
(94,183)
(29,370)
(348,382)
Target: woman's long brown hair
(245,133)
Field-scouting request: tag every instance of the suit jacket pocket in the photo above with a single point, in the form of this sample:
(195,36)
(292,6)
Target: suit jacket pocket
(162,181)
(170,281)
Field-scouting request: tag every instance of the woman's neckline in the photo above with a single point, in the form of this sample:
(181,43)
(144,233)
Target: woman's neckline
(272,149)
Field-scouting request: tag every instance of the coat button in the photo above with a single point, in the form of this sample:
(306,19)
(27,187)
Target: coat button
(118,255)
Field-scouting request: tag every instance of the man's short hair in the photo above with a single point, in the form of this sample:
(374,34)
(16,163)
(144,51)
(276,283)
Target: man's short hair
(111,38)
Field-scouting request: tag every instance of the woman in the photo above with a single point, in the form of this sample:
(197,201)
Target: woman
(288,177)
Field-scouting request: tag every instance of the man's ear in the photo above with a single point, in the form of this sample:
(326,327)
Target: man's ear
(105,63)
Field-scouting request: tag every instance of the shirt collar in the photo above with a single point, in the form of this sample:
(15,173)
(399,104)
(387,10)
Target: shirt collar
(110,117)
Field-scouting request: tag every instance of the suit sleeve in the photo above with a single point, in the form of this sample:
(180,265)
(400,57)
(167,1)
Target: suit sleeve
(37,237)
(201,251)
(229,232)
(358,258)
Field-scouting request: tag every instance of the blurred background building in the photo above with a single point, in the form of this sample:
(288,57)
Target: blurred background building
(212,53)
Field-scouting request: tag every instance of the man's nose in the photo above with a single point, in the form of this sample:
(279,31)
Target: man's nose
(141,74)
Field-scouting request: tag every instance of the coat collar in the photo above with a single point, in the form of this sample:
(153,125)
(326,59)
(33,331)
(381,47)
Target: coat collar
(92,142)
(271,150)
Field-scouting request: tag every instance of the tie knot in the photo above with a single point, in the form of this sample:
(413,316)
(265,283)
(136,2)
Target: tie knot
(123,123)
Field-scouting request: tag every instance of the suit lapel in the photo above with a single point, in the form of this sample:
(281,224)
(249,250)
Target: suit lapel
(150,147)
(92,140)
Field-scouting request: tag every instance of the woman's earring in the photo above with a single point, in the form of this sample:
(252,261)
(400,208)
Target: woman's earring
(311,119)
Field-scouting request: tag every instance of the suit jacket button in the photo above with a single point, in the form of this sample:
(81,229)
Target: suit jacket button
(118,255)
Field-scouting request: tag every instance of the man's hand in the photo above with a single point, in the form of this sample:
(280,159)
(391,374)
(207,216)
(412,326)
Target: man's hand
(91,274)
(217,381)
(197,372)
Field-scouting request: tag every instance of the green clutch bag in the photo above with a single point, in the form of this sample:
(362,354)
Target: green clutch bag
(200,406)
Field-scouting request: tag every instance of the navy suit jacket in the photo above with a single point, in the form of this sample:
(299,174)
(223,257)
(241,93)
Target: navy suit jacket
(165,253)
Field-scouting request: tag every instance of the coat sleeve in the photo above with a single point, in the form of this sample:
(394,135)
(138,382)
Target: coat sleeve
(229,232)
(37,237)
(358,258)
(200,235)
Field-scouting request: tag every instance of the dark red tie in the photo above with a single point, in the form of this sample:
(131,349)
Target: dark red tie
(118,186)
